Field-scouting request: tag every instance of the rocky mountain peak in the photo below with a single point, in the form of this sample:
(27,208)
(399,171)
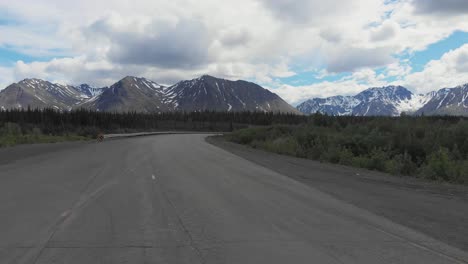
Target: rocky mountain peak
(392,101)
(143,95)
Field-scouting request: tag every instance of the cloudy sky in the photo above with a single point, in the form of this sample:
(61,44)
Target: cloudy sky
(298,49)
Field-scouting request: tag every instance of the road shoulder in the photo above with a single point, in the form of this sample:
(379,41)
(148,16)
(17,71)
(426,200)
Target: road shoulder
(435,209)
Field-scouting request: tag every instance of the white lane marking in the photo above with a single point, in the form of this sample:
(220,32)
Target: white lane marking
(153,177)
(65,214)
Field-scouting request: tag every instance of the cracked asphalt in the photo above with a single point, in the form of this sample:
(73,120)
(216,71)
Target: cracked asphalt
(178,199)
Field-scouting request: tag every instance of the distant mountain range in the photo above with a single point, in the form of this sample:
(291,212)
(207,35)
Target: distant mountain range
(143,95)
(210,93)
(392,101)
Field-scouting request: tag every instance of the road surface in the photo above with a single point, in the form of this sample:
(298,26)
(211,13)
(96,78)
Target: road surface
(178,199)
(439,210)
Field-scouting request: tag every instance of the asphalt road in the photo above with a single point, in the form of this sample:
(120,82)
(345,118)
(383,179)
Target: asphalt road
(439,210)
(178,199)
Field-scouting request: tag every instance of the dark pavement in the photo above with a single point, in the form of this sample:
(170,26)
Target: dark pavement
(178,199)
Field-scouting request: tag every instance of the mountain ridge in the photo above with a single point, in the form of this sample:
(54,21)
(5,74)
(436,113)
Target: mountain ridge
(216,94)
(225,95)
(392,101)
(37,93)
(143,95)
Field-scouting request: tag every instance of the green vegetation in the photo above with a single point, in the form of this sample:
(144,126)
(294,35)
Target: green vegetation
(435,148)
(49,125)
(12,134)
(431,147)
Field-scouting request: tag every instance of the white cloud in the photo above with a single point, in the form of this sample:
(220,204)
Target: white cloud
(387,30)
(451,7)
(449,71)
(351,59)
(181,44)
(5,77)
(351,85)
(416,31)
(23,40)
(397,70)
(297,94)
(259,40)
(318,12)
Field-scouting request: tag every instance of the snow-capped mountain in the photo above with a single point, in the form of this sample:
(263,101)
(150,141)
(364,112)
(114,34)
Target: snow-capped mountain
(89,91)
(447,101)
(204,93)
(210,93)
(381,101)
(143,95)
(131,94)
(336,105)
(37,93)
(391,101)
(388,100)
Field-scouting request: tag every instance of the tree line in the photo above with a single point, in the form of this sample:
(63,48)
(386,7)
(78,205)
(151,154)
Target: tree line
(434,147)
(89,122)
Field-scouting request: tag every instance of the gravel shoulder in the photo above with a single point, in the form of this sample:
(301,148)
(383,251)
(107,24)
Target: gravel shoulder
(435,209)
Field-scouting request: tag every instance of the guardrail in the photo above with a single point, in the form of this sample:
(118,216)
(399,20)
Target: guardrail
(142,134)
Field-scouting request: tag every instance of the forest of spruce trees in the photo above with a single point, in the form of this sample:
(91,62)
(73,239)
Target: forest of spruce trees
(19,126)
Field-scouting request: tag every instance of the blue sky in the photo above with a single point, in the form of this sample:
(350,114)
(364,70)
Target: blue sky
(417,60)
(9,56)
(434,51)
(315,49)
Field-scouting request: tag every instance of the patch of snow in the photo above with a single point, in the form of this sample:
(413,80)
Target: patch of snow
(242,102)
(465,96)
(441,101)
(40,99)
(367,111)
(146,84)
(92,99)
(413,104)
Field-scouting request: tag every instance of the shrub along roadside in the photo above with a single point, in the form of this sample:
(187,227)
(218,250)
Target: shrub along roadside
(436,149)
(12,134)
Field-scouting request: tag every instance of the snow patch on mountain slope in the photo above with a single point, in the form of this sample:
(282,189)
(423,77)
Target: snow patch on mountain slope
(413,104)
